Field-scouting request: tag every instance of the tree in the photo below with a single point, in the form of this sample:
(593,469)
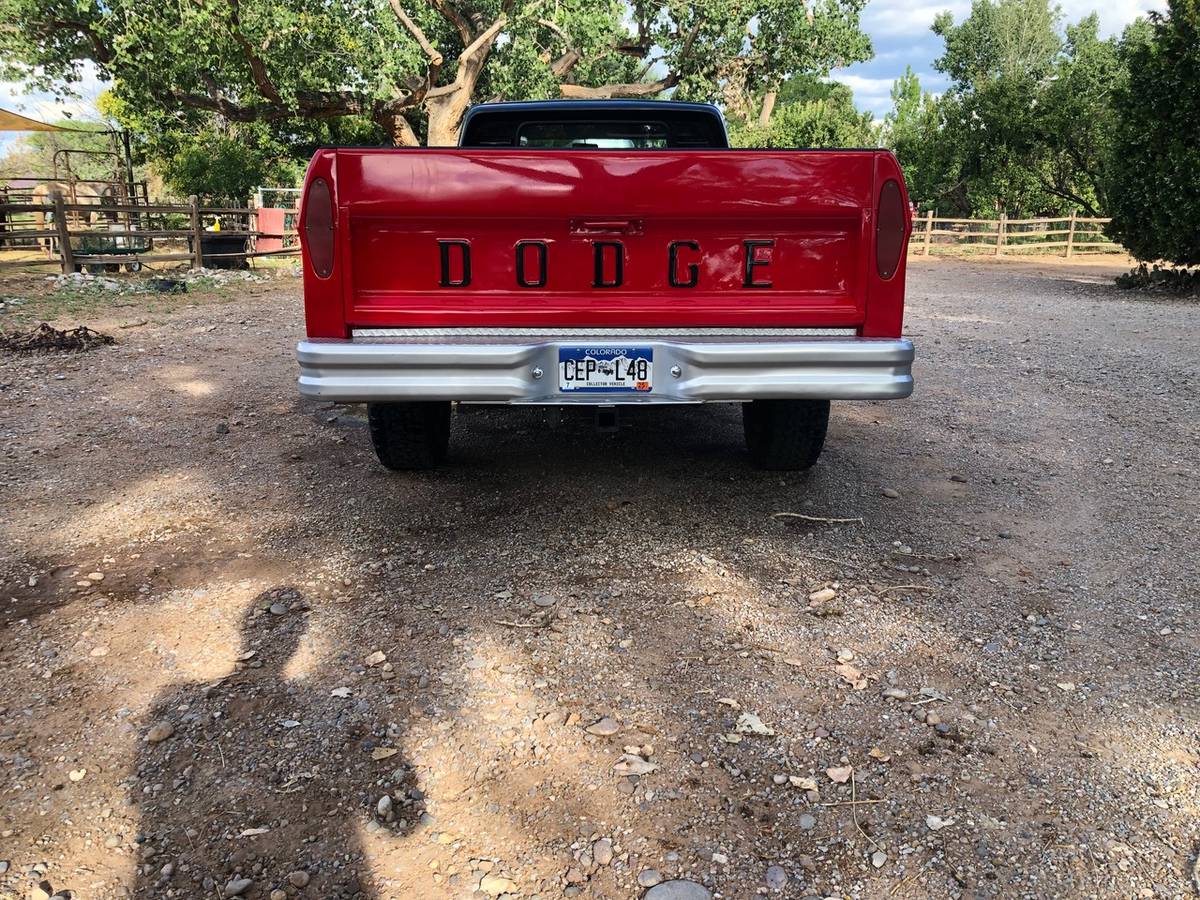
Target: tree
(407,67)
(822,114)
(1154,191)
(999,60)
(911,130)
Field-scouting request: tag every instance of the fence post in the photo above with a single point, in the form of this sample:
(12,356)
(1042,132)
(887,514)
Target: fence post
(928,232)
(1000,229)
(197,233)
(1071,235)
(64,233)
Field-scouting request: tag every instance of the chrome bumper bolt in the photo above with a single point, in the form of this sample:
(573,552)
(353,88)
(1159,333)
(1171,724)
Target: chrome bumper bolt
(537,372)
(676,371)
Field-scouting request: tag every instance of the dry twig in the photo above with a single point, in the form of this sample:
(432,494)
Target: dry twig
(794,515)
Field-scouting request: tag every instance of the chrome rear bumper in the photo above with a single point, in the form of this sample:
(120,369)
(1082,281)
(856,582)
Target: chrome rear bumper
(695,367)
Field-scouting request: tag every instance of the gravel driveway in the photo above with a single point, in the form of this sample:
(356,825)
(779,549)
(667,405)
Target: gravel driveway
(238,658)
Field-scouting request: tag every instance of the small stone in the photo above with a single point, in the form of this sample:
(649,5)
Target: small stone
(377,658)
(238,886)
(3,866)
(99,651)
(895,693)
(776,878)
(299,878)
(720,859)
(544,600)
(279,894)
(890,493)
(678,890)
(41,891)
(649,878)
(960,479)
(159,732)
(77,774)
(222,428)
(878,858)
(602,852)
(808,822)
(278,609)
(95,576)
(822,596)
(384,806)
(604,728)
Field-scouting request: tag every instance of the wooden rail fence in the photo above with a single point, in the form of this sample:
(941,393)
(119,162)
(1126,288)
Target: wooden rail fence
(64,231)
(1070,234)
(73,235)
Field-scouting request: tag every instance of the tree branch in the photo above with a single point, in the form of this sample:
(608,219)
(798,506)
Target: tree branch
(435,58)
(451,15)
(471,60)
(608,91)
(258,68)
(637,88)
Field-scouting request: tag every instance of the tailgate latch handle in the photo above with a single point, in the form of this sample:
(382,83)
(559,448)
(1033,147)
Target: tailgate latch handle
(606,226)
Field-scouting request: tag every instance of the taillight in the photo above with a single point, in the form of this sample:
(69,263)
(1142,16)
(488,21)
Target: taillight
(318,227)
(890,223)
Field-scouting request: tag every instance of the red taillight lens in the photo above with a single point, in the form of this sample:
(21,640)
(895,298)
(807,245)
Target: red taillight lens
(889,229)
(318,227)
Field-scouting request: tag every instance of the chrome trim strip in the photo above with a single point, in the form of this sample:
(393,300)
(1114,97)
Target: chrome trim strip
(619,333)
(497,371)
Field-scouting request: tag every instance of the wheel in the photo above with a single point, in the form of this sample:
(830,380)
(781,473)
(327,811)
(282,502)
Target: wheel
(784,435)
(410,435)
(134,266)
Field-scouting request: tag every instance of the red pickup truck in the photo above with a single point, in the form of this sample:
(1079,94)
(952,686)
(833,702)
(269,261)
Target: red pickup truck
(603,253)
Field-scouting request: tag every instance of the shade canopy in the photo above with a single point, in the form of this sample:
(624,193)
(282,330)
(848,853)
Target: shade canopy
(11,121)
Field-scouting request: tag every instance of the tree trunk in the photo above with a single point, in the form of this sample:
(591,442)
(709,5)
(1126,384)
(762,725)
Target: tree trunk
(768,107)
(446,113)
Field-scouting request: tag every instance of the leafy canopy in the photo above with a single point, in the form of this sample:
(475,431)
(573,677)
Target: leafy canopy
(407,68)
(1155,187)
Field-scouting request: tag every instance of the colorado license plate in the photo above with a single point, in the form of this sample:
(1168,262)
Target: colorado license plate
(605,369)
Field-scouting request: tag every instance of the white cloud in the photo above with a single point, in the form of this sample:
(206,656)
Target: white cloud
(48,108)
(1114,14)
(895,18)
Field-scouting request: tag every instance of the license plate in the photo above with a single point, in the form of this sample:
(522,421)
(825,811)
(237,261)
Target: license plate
(605,369)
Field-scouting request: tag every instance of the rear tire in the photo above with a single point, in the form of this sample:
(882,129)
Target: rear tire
(785,435)
(412,435)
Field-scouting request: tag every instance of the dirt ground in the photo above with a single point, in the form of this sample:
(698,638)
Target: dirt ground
(238,657)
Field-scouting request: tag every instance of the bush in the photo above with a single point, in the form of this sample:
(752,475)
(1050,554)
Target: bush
(1154,197)
(221,170)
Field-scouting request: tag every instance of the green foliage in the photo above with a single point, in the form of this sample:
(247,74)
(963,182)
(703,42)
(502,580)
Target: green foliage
(911,130)
(398,67)
(1155,188)
(824,116)
(1027,123)
(222,170)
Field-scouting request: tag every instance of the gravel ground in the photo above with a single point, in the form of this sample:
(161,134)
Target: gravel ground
(238,658)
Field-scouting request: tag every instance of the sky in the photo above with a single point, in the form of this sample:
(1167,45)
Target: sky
(899,31)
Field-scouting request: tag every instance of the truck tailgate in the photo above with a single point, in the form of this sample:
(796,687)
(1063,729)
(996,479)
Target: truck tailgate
(597,238)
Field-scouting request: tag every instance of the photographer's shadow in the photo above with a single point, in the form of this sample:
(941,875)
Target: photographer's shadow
(254,767)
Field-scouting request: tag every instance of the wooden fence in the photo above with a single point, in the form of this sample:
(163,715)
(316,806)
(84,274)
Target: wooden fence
(98,236)
(1068,235)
